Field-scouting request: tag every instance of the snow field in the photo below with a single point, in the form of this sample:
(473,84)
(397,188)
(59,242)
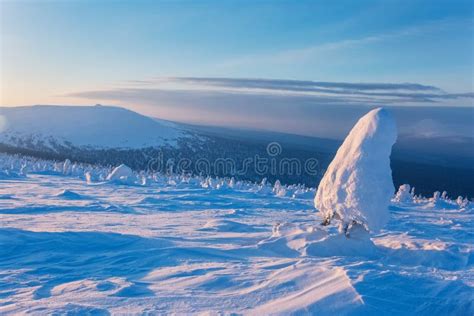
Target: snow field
(190,245)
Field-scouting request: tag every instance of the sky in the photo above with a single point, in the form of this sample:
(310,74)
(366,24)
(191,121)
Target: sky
(268,64)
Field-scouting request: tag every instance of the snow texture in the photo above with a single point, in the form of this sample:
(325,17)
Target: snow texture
(357,186)
(186,245)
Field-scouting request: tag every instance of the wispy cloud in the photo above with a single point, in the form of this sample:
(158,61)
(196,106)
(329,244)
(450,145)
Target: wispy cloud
(316,91)
(298,84)
(317,108)
(314,51)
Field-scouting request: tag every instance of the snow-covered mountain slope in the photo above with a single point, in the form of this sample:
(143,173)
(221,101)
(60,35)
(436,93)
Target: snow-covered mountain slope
(43,126)
(192,246)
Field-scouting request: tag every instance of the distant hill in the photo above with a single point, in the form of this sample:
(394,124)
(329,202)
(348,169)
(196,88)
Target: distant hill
(47,127)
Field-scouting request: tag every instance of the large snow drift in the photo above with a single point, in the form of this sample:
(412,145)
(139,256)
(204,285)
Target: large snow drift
(357,186)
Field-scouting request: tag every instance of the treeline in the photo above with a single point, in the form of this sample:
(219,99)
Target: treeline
(248,160)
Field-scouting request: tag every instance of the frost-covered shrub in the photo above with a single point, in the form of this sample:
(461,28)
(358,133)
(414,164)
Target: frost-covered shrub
(264,188)
(436,197)
(462,202)
(66,167)
(123,175)
(278,189)
(404,194)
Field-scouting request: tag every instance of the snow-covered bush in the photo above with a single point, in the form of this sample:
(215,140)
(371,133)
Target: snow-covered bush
(436,196)
(66,166)
(17,166)
(357,186)
(264,188)
(462,202)
(278,189)
(404,194)
(123,175)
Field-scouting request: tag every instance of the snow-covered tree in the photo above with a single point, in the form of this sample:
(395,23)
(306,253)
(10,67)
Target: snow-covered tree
(122,174)
(404,194)
(357,186)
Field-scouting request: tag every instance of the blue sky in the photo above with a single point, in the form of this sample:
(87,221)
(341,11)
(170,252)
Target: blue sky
(65,52)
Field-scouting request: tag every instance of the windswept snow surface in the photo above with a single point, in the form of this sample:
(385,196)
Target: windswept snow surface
(83,126)
(357,185)
(194,246)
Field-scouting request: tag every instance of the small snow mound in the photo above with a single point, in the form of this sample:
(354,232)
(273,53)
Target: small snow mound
(307,240)
(291,239)
(70,195)
(229,226)
(122,174)
(357,186)
(150,200)
(358,245)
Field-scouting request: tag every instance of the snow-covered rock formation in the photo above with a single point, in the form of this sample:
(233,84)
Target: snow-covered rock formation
(357,186)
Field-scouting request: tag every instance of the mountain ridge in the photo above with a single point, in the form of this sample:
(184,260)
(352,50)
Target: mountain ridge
(97,126)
